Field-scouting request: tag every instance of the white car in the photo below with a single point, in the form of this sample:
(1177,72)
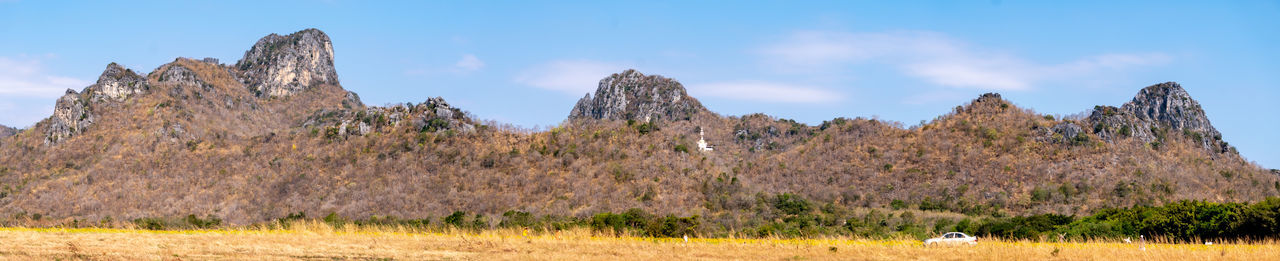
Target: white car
(953,238)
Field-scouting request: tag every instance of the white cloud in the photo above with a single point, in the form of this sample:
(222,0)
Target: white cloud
(468,63)
(574,77)
(996,74)
(938,59)
(764,92)
(28,91)
(27,78)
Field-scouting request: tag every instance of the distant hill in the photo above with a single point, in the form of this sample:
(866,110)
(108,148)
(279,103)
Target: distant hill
(276,133)
(6,131)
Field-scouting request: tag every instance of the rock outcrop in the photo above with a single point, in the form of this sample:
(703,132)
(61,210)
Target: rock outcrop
(434,115)
(180,79)
(1065,133)
(1110,123)
(280,66)
(74,111)
(6,131)
(180,75)
(990,98)
(987,103)
(1168,105)
(71,116)
(1156,111)
(631,95)
(117,84)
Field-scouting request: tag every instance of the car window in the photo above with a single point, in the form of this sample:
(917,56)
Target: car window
(949,235)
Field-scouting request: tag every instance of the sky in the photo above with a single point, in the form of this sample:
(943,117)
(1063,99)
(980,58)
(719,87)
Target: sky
(528,62)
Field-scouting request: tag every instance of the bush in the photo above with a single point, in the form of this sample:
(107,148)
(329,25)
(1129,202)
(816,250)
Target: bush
(334,220)
(1080,139)
(188,222)
(791,204)
(1039,195)
(1023,227)
(149,223)
(929,204)
(456,219)
(638,222)
(517,219)
(382,221)
(1185,221)
(646,128)
(673,226)
(633,219)
(209,221)
(898,204)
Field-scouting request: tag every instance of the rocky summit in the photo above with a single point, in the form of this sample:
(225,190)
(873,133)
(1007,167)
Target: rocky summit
(71,115)
(1155,112)
(280,66)
(631,95)
(117,83)
(74,111)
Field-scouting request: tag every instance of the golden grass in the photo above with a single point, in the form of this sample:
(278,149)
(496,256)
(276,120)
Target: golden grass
(319,241)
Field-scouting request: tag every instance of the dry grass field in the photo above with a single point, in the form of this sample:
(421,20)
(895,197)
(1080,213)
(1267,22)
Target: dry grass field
(317,241)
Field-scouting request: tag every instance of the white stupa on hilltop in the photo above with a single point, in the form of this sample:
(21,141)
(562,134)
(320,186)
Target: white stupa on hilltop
(702,143)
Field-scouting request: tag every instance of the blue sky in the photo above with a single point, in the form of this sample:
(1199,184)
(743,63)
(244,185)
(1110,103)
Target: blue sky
(527,62)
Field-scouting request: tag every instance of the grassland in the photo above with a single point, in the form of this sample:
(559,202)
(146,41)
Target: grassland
(314,241)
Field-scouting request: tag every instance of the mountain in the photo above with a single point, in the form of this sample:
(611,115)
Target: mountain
(631,95)
(276,134)
(1155,111)
(280,66)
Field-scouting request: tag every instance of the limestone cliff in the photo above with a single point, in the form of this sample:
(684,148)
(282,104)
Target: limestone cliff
(116,84)
(631,95)
(280,66)
(1158,110)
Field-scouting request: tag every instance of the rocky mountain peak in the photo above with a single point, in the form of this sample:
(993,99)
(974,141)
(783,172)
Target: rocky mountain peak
(1169,104)
(279,66)
(631,95)
(987,103)
(73,112)
(1164,107)
(116,84)
(71,115)
(989,97)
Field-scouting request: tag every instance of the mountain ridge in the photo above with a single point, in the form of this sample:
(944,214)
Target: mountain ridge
(275,134)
